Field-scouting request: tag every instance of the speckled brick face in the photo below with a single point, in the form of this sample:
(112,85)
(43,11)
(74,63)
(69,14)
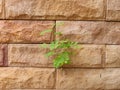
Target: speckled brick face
(25,31)
(55,9)
(113,10)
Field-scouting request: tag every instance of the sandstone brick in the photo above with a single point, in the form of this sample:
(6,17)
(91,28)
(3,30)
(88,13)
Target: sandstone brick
(1,9)
(88,79)
(22,78)
(87,56)
(90,32)
(28,55)
(113,10)
(55,9)
(3,54)
(24,31)
(111,78)
(112,56)
(84,79)
(34,55)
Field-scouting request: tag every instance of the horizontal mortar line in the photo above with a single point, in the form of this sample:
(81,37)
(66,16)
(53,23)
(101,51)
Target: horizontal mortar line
(32,88)
(55,68)
(23,67)
(50,43)
(57,20)
(52,20)
(61,68)
(90,67)
(24,43)
(26,20)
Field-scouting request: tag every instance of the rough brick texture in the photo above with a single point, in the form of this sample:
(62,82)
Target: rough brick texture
(113,10)
(25,31)
(55,9)
(112,56)
(94,24)
(26,78)
(111,79)
(34,55)
(2,9)
(90,32)
(28,55)
(79,79)
(88,79)
(87,56)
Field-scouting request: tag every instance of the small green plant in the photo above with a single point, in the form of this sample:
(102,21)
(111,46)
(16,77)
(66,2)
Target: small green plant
(60,50)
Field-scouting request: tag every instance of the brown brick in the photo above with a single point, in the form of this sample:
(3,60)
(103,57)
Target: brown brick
(113,10)
(28,55)
(111,78)
(2,9)
(90,32)
(55,9)
(88,79)
(22,78)
(84,79)
(34,55)
(24,31)
(112,56)
(87,56)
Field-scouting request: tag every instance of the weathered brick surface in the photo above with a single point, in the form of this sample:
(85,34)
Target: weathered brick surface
(1,9)
(21,78)
(113,10)
(87,56)
(90,32)
(94,66)
(28,55)
(112,56)
(89,79)
(34,55)
(3,54)
(55,9)
(111,78)
(24,31)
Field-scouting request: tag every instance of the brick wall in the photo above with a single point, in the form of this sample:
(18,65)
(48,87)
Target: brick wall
(95,24)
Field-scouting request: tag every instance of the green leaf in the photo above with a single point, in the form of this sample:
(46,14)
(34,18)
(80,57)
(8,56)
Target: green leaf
(52,46)
(45,31)
(61,59)
(50,53)
(58,33)
(59,49)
